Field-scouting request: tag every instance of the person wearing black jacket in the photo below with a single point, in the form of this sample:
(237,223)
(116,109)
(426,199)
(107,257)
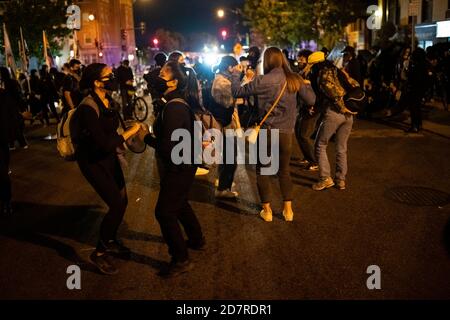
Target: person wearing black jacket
(125,77)
(173,208)
(48,94)
(415,89)
(8,126)
(94,131)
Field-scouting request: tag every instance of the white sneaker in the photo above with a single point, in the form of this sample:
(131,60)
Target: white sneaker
(226,194)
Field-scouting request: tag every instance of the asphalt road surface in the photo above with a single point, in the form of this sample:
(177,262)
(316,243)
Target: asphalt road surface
(381,219)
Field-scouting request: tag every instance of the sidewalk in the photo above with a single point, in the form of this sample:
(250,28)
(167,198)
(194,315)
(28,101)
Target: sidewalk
(436,120)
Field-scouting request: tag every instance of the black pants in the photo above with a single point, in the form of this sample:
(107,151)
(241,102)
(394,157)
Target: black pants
(415,105)
(19,135)
(46,105)
(5,181)
(304,129)
(106,177)
(173,209)
(228,168)
(126,104)
(284,174)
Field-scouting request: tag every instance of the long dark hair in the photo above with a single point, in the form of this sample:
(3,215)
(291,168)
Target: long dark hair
(91,73)
(274,58)
(187,83)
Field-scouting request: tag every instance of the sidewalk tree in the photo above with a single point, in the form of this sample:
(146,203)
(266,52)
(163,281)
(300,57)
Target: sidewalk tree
(33,17)
(291,21)
(169,41)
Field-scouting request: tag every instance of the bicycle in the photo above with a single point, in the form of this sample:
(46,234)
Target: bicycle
(138,104)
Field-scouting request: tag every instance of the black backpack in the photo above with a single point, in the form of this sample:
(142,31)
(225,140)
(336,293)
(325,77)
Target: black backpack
(355,98)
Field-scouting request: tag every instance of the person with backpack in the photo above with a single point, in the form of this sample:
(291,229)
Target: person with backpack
(224,111)
(337,119)
(94,132)
(172,207)
(276,93)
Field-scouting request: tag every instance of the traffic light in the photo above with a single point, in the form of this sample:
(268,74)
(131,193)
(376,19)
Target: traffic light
(142,27)
(224,33)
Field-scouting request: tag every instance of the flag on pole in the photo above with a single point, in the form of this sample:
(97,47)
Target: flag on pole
(47,54)
(23,50)
(9,57)
(75,45)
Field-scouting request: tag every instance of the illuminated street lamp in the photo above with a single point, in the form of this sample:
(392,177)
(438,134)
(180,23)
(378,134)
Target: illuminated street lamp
(221,13)
(91,17)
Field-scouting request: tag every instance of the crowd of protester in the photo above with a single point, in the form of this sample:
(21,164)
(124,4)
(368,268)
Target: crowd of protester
(303,98)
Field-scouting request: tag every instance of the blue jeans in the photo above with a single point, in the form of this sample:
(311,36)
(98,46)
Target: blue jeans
(341,125)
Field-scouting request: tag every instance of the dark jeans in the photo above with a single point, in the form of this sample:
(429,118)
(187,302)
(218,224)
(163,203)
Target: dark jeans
(228,168)
(5,181)
(284,174)
(126,104)
(304,129)
(107,179)
(173,209)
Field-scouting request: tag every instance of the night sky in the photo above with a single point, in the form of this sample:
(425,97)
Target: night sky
(184,16)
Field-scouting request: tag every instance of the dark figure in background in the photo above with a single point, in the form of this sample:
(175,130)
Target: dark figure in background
(291,61)
(352,65)
(125,77)
(71,94)
(325,51)
(223,112)
(307,118)
(154,81)
(254,56)
(34,96)
(57,79)
(94,130)
(173,208)
(15,101)
(8,127)
(415,88)
(48,95)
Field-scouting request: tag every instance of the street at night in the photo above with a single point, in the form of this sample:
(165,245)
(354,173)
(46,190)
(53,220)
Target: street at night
(323,254)
(241,159)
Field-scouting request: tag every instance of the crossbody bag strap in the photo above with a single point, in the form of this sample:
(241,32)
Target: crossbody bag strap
(274,104)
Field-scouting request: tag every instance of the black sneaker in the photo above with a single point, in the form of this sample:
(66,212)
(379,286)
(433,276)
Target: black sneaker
(175,269)
(117,248)
(103,263)
(196,246)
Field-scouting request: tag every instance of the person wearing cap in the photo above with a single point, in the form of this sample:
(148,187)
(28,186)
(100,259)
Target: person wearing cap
(352,65)
(337,119)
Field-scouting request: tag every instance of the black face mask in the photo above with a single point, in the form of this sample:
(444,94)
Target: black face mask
(110,84)
(160,85)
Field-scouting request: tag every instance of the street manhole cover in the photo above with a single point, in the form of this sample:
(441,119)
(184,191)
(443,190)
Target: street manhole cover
(418,196)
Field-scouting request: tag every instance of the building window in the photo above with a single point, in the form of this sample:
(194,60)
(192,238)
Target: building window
(427,10)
